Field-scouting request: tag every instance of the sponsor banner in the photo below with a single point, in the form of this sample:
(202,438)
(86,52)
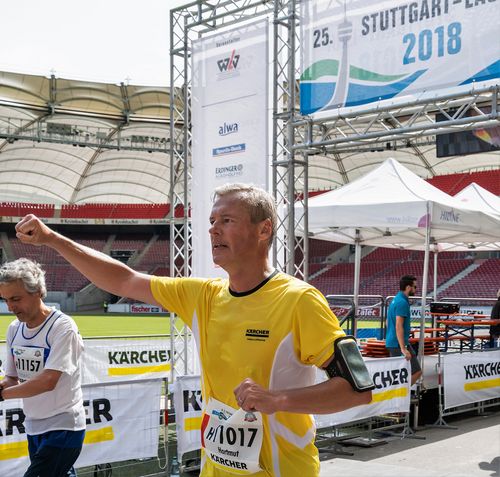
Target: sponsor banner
(415,311)
(107,361)
(365,311)
(391,377)
(75,221)
(470,377)
(188,413)
(230,124)
(363,51)
(145,308)
(122,424)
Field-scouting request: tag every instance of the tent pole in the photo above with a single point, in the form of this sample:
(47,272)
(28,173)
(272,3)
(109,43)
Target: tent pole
(357,268)
(435,275)
(424,288)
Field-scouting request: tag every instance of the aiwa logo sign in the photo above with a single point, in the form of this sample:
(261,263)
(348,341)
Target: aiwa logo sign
(228,66)
(228,128)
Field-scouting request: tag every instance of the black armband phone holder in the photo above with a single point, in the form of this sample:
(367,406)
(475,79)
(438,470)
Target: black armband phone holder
(348,363)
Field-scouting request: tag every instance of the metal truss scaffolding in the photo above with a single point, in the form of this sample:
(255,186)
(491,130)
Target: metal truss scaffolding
(295,138)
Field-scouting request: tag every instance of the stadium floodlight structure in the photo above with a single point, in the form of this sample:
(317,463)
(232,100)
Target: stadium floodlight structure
(298,141)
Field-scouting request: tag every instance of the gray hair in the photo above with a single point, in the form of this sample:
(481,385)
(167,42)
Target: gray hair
(259,203)
(29,272)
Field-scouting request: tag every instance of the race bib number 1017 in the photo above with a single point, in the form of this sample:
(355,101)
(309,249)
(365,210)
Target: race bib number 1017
(232,438)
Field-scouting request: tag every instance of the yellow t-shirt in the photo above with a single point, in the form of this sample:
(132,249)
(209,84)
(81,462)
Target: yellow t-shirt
(273,335)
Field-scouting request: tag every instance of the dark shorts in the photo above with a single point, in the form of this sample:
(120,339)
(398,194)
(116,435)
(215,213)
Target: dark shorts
(414,364)
(53,453)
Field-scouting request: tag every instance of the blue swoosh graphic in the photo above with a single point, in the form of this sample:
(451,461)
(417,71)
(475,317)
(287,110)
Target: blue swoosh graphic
(314,96)
(490,72)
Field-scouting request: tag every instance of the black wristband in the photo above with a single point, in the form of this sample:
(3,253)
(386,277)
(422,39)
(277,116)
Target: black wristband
(1,397)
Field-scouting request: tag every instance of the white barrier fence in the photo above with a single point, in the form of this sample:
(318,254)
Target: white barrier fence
(122,424)
(392,394)
(122,385)
(470,377)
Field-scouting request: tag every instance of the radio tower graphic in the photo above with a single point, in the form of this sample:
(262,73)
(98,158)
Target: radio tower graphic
(333,82)
(345,34)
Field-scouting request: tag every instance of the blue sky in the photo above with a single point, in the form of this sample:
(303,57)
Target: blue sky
(96,40)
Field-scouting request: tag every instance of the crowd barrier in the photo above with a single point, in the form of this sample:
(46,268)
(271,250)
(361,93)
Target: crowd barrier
(125,382)
(467,380)
(391,395)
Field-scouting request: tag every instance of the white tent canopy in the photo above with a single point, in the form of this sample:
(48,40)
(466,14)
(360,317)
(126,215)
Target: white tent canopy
(476,197)
(391,207)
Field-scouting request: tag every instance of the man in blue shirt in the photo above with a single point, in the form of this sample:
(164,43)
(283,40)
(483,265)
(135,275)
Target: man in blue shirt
(398,325)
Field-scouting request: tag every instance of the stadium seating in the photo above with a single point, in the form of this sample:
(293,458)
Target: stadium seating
(156,256)
(115,211)
(453,183)
(483,282)
(381,270)
(19,209)
(319,250)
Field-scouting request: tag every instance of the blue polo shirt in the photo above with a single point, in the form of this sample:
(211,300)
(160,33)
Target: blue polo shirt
(400,306)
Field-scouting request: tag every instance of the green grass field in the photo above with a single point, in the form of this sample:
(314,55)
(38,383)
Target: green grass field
(110,325)
(129,325)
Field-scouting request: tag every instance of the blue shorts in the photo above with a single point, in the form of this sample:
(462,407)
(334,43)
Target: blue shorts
(53,453)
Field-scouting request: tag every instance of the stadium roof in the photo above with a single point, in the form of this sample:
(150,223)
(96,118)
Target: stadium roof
(80,125)
(72,142)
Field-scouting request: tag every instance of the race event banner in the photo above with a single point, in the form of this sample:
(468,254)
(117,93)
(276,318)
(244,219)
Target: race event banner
(470,377)
(114,360)
(188,409)
(391,377)
(230,124)
(122,424)
(358,52)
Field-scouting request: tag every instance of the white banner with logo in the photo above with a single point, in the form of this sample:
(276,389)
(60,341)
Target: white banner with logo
(145,308)
(416,311)
(230,124)
(107,361)
(188,413)
(362,51)
(122,424)
(391,377)
(470,377)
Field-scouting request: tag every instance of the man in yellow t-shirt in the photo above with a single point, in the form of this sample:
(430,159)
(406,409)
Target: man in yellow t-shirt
(259,334)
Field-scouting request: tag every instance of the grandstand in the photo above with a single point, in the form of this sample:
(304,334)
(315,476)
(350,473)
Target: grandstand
(331,264)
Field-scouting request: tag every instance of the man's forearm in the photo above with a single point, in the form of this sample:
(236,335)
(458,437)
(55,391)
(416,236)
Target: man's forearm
(33,387)
(99,268)
(105,272)
(334,395)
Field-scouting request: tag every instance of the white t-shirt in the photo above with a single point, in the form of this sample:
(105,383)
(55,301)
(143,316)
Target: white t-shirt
(55,344)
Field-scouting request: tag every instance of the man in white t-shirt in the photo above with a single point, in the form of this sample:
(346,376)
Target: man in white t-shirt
(43,368)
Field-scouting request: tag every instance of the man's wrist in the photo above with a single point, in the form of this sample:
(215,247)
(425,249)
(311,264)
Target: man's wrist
(1,394)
